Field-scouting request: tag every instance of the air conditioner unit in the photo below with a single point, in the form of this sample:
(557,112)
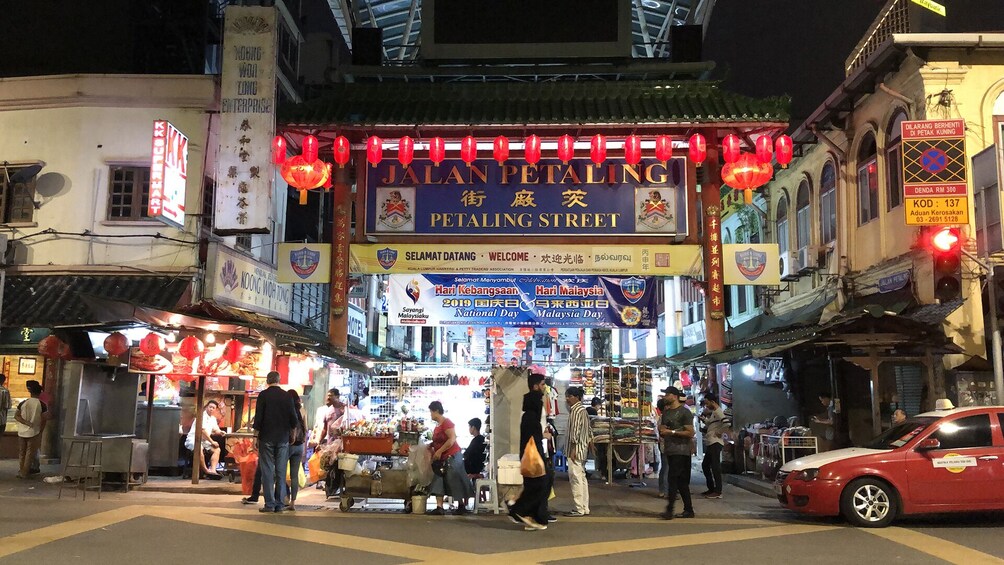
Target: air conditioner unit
(789,266)
(804,265)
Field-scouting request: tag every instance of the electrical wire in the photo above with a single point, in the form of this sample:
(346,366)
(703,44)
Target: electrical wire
(88,233)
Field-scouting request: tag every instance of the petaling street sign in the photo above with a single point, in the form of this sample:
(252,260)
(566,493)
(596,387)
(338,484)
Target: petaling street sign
(549,198)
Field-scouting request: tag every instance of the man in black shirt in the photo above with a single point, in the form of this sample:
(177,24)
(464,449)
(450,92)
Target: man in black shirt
(474,455)
(677,428)
(274,419)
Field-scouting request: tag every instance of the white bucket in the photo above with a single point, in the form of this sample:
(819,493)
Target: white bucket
(347,462)
(419,504)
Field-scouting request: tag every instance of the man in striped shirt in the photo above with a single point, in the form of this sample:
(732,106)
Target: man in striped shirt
(580,435)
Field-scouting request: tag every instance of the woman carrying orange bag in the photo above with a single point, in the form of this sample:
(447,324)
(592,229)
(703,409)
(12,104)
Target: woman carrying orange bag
(530,508)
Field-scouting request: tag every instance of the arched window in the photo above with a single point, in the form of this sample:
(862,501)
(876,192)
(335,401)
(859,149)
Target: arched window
(828,203)
(727,236)
(894,162)
(868,197)
(782,225)
(803,221)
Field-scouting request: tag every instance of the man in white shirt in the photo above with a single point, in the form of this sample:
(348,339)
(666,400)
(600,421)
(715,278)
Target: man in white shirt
(210,426)
(29,430)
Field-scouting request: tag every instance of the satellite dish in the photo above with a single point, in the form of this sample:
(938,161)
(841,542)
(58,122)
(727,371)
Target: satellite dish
(24,174)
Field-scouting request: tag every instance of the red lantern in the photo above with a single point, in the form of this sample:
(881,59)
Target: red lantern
(278,149)
(783,149)
(233,352)
(437,150)
(405,151)
(469,150)
(304,175)
(598,149)
(152,344)
(731,147)
(566,148)
(49,346)
(746,174)
(191,348)
(116,344)
(327,181)
(309,148)
(764,149)
(374,150)
(531,150)
(553,332)
(342,150)
(498,344)
(65,353)
(663,148)
(496,332)
(632,149)
(520,345)
(526,332)
(698,149)
(500,149)
(470,331)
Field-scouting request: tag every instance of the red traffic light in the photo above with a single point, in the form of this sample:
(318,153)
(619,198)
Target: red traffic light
(946,240)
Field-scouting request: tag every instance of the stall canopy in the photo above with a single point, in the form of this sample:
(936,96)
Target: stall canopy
(57,300)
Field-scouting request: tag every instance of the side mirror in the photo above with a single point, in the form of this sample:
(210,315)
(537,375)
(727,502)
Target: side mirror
(929,444)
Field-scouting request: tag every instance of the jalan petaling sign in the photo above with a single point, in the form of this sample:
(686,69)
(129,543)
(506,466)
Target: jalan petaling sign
(519,198)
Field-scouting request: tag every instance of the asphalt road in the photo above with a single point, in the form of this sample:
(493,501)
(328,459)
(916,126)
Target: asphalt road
(743,528)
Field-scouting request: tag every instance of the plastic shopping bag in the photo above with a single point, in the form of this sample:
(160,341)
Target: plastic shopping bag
(248,465)
(531,465)
(420,467)
(317,472)
(300,477)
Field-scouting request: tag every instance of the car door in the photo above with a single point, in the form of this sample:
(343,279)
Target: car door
(963,472)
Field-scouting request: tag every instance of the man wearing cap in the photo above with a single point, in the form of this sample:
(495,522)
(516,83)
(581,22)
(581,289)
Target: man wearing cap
(676,429)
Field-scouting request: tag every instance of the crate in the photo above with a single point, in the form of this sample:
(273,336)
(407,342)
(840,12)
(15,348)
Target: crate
(368,445)
(409,437)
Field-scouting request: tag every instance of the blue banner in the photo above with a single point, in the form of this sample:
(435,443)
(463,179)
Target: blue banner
(517,198)
(523,300)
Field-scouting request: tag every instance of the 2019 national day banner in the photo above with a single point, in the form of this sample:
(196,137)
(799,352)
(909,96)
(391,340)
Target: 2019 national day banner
(523,300)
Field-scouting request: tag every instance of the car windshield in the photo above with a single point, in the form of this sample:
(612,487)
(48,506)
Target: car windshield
(900,434)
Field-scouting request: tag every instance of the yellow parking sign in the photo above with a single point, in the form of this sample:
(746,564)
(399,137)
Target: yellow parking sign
(937,211)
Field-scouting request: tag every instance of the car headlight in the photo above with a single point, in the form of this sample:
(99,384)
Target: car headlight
(808,475)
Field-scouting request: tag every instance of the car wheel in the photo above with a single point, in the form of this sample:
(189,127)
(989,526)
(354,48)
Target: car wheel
(869,503)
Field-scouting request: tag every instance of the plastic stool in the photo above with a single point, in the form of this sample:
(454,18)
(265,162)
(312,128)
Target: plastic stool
(493,495)
(87,466)
(560,462)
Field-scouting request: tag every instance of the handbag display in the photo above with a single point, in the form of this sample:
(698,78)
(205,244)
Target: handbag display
(531,465)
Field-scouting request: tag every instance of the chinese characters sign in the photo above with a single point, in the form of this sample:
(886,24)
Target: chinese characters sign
(935,184)
(523,300)
(662,260)
(243,199)
(715,291)
(168,174)
(517,198)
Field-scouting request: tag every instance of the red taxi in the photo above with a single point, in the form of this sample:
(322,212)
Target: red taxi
(942,461)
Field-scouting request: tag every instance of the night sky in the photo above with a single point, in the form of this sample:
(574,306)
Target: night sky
(793,47)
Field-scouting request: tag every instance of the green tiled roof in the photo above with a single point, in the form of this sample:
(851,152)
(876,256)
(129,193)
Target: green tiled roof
(542,103)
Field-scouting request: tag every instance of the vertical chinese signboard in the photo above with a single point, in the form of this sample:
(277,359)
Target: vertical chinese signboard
(247,121)
(716,289)
(168,174)
(935,184)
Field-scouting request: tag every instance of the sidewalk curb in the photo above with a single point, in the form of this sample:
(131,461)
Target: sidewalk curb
(752,485)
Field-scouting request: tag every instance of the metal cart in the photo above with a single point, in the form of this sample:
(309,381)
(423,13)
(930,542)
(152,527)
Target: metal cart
(388,481)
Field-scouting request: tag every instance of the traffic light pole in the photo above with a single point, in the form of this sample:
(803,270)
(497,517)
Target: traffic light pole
(995,330)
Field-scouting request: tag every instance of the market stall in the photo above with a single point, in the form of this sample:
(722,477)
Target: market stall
(375,461)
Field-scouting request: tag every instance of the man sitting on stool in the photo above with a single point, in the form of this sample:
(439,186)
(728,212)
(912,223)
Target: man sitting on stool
(210,446)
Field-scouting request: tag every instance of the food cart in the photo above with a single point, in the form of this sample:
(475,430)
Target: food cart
(376,467)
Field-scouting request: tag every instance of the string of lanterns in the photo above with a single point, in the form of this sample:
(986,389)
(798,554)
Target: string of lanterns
(742,171)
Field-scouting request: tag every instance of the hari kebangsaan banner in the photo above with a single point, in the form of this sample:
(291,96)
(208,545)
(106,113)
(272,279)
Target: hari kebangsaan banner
(518,198)
(523,300)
